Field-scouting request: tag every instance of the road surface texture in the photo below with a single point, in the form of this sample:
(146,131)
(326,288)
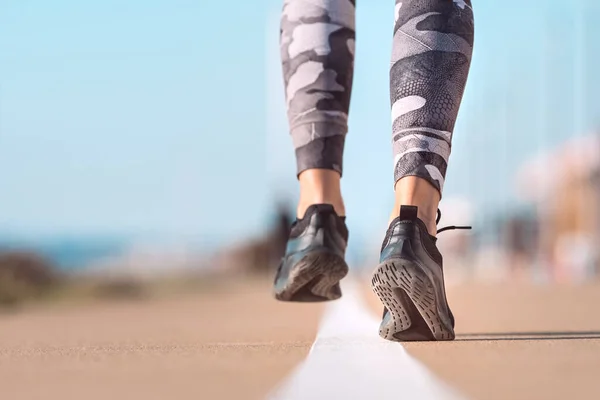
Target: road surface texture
(519,342)
(514,342)
(222,344)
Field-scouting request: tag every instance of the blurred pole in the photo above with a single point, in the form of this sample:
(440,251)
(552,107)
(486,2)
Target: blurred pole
(544,120)
(505,117)
(579,114)
(579,68)
(544,94)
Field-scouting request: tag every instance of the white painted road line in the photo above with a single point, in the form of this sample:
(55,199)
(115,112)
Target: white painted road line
(349,360)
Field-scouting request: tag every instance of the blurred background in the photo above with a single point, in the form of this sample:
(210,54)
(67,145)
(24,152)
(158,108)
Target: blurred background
(146,141)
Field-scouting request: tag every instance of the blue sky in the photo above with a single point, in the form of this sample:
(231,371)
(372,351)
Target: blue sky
(166,117)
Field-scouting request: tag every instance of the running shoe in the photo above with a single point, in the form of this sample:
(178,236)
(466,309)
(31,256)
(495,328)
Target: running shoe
(314,263)
(409,281)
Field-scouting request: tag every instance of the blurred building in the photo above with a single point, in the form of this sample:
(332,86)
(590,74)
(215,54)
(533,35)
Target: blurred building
(563,184)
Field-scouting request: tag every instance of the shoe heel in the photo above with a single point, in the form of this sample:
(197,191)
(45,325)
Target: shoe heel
(315,278)
(410,298)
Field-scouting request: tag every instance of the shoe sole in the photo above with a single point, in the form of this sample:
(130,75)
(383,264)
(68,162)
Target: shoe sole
(315,278)
(410,297)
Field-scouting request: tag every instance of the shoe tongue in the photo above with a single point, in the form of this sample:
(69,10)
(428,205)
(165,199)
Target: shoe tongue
(408,213)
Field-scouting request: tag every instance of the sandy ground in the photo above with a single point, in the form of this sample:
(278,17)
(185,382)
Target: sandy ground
(515,342)
(519,342)
(223,344)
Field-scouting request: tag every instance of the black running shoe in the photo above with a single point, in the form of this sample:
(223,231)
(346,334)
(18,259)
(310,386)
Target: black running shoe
(409,281)
(313,264)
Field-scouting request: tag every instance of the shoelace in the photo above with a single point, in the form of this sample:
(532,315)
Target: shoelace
(448,228)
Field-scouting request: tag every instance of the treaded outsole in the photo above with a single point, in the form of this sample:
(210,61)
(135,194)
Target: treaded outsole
(410,298)
(315,278)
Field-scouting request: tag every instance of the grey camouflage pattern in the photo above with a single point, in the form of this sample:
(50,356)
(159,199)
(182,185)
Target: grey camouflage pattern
(317,51)
(431,56)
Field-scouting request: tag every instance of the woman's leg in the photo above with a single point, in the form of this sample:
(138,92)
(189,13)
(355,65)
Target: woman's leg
(433,41)
(317,52)
(432,46)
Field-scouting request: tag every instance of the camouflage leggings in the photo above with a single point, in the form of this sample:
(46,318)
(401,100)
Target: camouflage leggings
(431,55)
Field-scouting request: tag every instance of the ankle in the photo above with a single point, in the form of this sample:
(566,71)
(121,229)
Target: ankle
(415,191)
(306,202)
(319,186)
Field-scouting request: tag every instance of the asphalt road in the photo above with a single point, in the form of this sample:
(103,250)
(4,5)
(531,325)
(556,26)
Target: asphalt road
(235,342)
